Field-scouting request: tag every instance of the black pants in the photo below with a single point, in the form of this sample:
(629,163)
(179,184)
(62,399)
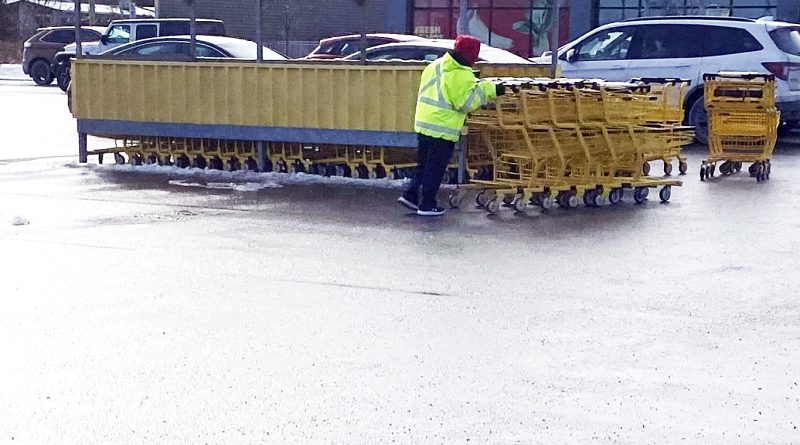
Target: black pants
(433,155)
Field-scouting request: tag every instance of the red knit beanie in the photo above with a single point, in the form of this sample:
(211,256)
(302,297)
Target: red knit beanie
(467,49)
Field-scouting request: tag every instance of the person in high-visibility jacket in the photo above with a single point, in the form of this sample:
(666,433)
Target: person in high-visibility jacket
(448,91)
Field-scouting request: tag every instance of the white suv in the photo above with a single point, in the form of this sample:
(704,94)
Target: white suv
(687,47)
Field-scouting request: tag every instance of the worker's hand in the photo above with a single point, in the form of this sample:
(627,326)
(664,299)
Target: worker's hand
(500,88)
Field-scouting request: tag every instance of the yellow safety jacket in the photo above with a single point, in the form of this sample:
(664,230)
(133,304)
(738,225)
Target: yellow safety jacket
(447,92)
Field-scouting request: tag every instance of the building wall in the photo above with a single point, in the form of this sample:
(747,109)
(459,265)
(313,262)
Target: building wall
(300,19)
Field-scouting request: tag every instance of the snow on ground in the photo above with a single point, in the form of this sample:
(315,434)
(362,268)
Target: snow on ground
(245,181)
(11,72)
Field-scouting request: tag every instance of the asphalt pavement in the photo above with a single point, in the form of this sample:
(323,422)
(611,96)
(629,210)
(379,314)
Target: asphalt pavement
(165,306)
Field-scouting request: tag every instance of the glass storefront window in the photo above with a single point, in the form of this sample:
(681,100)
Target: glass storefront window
(615,10)
(519,26)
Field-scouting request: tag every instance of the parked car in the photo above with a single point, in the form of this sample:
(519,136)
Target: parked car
(431,49)
(176,48)
(343,46)
(120,32)
(687,47)
(39,51)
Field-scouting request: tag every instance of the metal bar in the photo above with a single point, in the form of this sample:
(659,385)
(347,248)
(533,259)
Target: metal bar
(259,31)
(83,154)
(555,37)
(193,30)
(262,156)
(461,149)
(78,48)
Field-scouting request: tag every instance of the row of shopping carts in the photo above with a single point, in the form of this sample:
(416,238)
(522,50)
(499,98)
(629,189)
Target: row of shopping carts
(742,122)
(557,141)
(354,161)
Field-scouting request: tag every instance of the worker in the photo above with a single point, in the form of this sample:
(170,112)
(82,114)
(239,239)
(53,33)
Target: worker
(448,91)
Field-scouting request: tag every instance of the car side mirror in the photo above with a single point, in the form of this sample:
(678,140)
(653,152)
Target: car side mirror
(571,55)
(104,39)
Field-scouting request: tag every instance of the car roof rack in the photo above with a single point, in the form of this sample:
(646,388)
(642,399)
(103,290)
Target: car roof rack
(690,17)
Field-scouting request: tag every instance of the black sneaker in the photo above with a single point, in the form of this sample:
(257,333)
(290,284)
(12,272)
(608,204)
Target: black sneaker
(433,211)
(407,203)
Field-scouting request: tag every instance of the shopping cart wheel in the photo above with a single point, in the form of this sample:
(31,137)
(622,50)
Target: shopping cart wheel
(640,194)
(683,167)
(753,169)
(118,158)
(572,200)
(702,172)
(561,200)
(482,198)
(493,206)
(760,173)
(546,203)
(711,170)
(667,168)
(768,169)
(725,168)
(591,198)
(646,168)
(520,204)
(737,166)
(455,200)
(615,196)
(508,200)
(665,193)
(198,162)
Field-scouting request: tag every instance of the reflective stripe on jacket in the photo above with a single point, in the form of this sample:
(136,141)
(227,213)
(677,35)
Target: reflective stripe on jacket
(447,92)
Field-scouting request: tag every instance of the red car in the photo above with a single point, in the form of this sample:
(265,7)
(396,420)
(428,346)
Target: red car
(343,46)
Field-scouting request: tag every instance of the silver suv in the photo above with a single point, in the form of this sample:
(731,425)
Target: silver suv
(688,47)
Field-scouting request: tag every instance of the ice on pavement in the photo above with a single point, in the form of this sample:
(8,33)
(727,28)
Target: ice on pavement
(18,220)
(238,187)
(247,181)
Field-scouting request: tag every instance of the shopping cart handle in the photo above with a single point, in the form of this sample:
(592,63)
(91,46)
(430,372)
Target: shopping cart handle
(738,75)
(672,80)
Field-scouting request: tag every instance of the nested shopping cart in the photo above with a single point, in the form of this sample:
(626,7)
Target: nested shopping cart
(544,149)
(743,123)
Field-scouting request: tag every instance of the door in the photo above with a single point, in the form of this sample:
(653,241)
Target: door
(602,55)
(667,50)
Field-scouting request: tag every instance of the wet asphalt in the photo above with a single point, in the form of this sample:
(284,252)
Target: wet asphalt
(151,306)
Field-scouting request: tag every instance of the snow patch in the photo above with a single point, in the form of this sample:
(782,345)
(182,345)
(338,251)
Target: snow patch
(246,180)
(12,72)
(19,221)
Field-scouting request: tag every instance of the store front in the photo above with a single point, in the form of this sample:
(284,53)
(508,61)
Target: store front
(615,10)
(520,26)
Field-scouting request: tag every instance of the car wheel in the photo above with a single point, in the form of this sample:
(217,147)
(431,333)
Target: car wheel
(698,118)
(62,77)
(40,73)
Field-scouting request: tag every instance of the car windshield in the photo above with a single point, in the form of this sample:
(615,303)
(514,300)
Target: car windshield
(245,49)
(787,39)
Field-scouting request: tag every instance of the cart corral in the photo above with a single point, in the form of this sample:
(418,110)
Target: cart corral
(326,118)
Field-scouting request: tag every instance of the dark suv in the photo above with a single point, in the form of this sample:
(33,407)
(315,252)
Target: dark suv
(38,52)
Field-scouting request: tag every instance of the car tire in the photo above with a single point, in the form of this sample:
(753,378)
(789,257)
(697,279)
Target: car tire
(62,77)
(698,118)
(40,72)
